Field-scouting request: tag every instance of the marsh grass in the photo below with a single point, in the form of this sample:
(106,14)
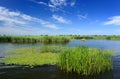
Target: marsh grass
(34,39)
(81,60)
(85,61)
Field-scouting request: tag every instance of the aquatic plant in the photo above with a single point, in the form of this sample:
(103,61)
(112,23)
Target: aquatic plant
(33,56)
(31,59)
(81,60)
(85,61)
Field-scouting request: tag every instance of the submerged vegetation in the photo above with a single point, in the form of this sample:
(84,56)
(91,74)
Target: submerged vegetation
(81,60)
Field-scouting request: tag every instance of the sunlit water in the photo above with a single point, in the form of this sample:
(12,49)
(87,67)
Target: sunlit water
(52,72)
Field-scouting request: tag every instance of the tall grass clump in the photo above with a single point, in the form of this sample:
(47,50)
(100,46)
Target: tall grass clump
(85,61)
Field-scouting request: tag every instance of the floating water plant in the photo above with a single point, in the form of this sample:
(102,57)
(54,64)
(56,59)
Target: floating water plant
(32,59)
(32,56)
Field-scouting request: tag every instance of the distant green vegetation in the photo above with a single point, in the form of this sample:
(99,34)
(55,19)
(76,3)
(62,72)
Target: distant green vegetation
(81,60)
(106,37)
(53,39)
(34,39)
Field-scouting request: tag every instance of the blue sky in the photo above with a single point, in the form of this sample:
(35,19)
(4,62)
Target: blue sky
(54,17)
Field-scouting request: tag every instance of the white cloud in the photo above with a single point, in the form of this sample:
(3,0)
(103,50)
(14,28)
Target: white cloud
(7,16)
(60,19)
(17,23)
(43,3)
(17,18)
(56,5)
(82,16)
(115,20)
(11,20)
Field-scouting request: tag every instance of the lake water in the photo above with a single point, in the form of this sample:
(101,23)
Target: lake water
(51,72)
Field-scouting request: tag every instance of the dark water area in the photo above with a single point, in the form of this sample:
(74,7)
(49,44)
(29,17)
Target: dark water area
(46,72)
(52,72)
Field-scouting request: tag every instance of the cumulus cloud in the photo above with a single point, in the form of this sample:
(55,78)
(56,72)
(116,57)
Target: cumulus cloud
(115,20)
(60,19)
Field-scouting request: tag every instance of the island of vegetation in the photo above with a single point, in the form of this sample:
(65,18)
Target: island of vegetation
(81,60)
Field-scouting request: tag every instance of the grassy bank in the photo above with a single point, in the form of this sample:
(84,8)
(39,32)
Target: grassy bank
(53,39)
(81,60)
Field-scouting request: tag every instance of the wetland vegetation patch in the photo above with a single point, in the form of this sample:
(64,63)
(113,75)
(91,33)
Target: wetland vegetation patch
(82,60)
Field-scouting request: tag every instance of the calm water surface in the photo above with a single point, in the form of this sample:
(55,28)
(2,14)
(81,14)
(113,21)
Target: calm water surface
(51,72)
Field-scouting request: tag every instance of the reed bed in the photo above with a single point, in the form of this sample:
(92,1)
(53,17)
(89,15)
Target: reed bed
(34,39)
(85,61)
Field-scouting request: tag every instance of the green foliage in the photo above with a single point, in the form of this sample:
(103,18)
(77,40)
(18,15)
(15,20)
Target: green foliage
(85,61)
(53,39)
(81,60)
(107,37)
(34,39)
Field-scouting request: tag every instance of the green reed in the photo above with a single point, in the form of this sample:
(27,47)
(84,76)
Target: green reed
(85,61)
(34,39)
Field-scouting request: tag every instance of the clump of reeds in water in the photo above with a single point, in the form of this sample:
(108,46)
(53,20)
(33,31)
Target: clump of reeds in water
(85,61)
